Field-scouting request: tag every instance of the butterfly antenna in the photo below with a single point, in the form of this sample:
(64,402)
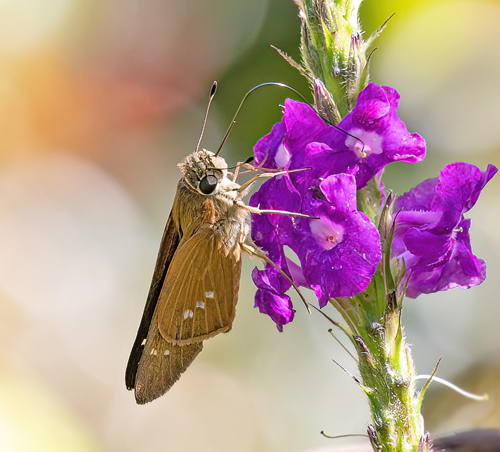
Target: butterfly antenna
(256,87)
(250,91)
(351,435)
(240,164)
(213,89)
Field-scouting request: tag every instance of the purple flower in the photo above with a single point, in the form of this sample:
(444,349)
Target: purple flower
(340,250)
(337,248)
(384,137)
(432,235)
(284,146)
(270,297)
(365,141)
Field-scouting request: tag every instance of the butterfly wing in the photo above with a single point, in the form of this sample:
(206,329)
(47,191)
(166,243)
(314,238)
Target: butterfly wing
(199,296)
(161,364)
(169,243)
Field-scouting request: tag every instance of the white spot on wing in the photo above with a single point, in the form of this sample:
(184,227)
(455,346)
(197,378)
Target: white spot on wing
(154,352)
(143,342)
(166,352)
(209,294)
(188,313)
(200,304)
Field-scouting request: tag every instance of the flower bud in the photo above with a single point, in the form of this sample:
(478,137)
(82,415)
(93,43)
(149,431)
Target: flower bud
(333,50)
(324,103)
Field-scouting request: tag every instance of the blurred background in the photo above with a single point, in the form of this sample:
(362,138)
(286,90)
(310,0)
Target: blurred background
(99,100)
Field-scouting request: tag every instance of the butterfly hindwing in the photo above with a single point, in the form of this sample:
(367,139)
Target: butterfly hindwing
(199,296)
(161,364)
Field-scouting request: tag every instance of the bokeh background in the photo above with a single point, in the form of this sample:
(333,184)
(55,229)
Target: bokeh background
(99,100)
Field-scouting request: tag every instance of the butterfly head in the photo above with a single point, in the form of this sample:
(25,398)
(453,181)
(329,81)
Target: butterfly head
(203,171)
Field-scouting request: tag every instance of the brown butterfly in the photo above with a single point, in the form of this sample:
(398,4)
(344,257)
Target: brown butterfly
(196,279)
(195,283)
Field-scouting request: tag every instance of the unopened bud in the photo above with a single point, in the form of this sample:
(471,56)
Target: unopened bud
(324,103)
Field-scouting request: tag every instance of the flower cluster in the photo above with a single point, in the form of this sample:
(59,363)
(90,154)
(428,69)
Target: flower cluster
(336,250)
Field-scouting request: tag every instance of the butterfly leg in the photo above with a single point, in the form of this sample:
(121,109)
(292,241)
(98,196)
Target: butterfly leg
(252,209)
(244,188)
(252,168)
(245,165)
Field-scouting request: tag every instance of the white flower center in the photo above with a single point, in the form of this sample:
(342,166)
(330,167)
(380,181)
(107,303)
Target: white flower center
(282,156)
(365,143)
(327,233)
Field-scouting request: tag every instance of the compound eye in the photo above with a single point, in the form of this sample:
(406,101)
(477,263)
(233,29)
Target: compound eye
(208,184)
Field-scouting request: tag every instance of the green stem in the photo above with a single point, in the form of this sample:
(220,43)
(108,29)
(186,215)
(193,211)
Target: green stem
(388,375)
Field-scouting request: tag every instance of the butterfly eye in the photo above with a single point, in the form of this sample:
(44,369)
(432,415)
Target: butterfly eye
(208,184)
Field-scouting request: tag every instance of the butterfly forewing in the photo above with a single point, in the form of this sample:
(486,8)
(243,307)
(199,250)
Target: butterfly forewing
(198,299)
(169,243)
